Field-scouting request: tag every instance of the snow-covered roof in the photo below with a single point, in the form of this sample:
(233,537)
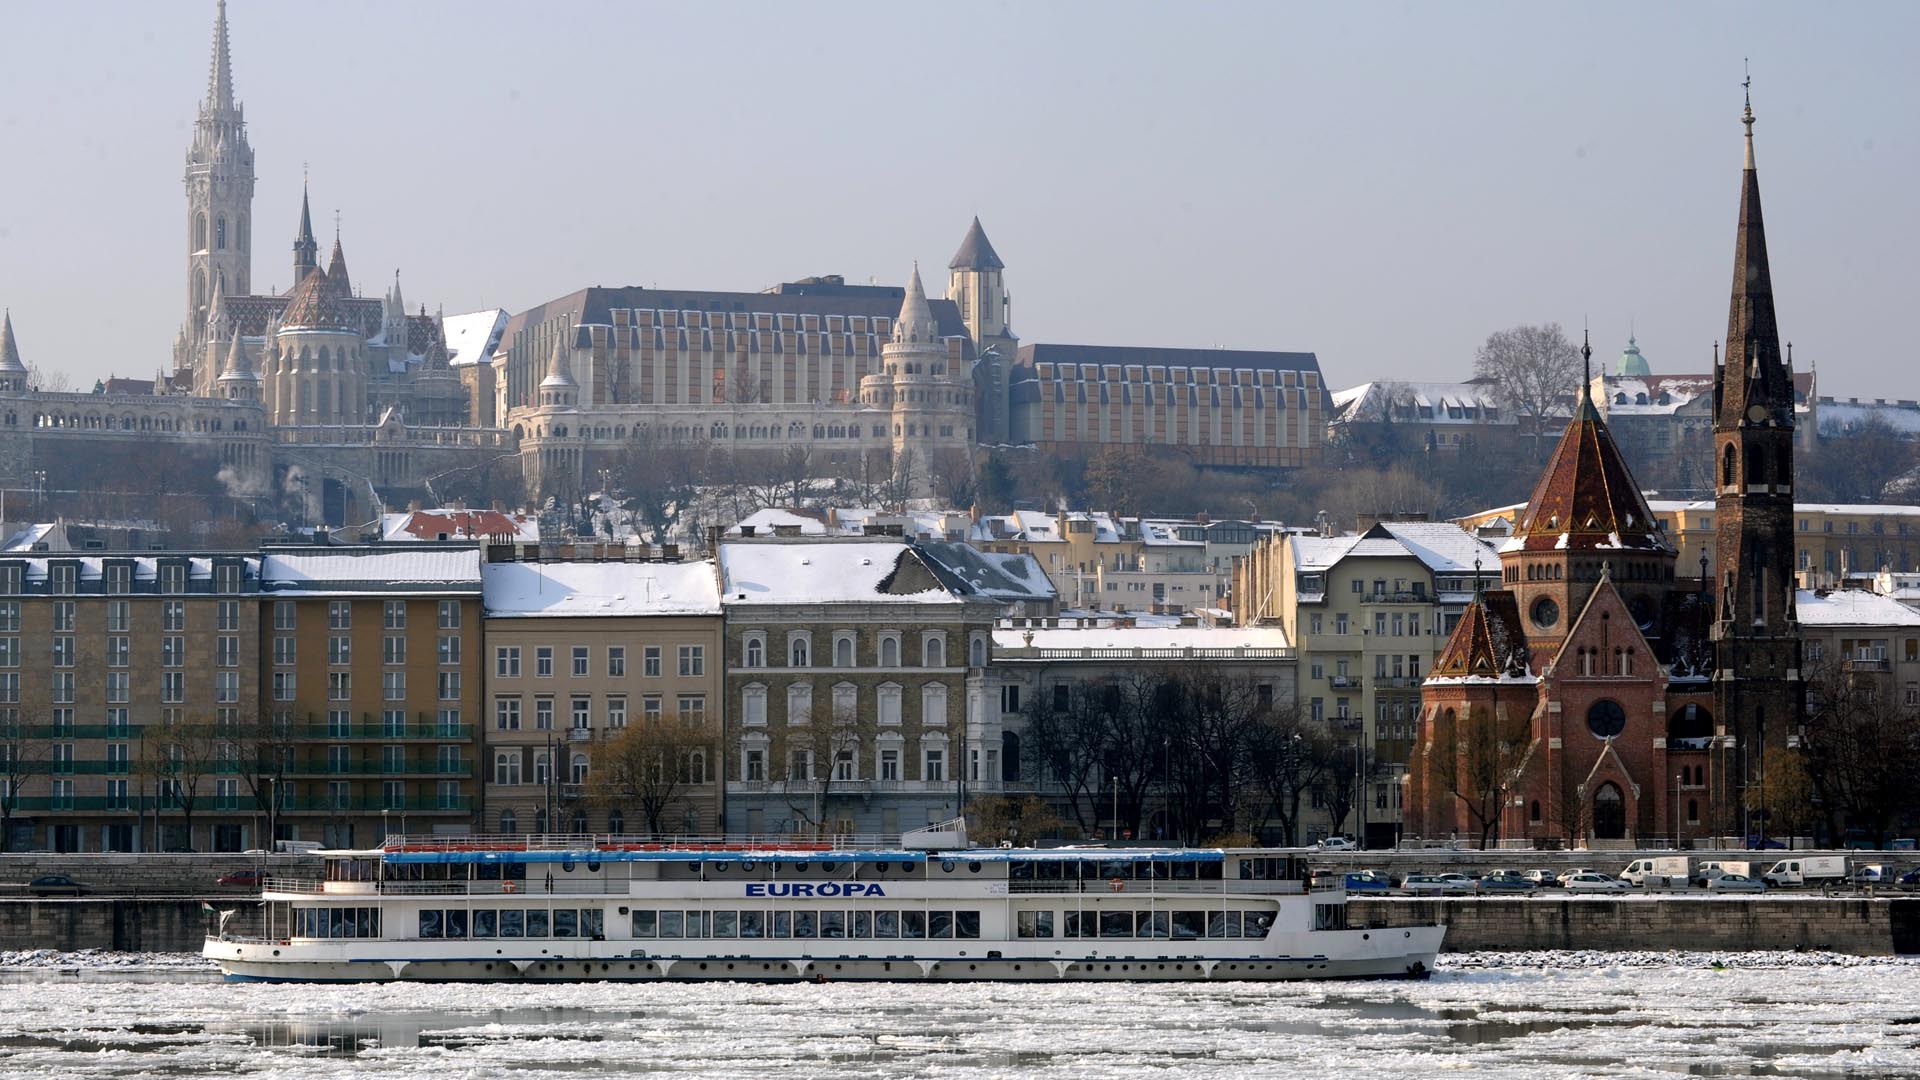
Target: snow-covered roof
(764,520)
(830,572)
(1444,548)
(371,570)
(1707,506)
(145,567)
(541,589)
(1109,635)
(1001,576)
(1157,532)
(472,337)
(460,525)
(1852,607)
(26,538)
(1420,402)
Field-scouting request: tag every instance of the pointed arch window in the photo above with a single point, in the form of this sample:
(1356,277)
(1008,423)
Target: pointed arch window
(1726,466)
(220,233)
(200,232)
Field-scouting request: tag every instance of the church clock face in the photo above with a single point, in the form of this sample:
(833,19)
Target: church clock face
(1757,413)
(1545,612)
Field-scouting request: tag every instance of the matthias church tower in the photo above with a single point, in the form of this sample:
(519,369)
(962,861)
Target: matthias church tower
(219,182)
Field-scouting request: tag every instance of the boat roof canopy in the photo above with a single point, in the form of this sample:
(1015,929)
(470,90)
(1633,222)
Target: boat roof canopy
(594,857)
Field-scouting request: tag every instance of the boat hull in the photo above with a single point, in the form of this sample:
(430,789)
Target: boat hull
(1397,953)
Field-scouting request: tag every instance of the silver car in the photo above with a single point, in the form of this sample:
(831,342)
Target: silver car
(1735,883)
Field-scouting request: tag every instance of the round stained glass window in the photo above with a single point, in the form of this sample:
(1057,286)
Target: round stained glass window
(1545,611)
(1606,719)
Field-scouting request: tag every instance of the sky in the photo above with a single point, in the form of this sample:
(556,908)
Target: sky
(1381,183)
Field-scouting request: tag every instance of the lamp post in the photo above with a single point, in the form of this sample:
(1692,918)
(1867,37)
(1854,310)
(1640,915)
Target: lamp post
(1677,779)
(1113,831)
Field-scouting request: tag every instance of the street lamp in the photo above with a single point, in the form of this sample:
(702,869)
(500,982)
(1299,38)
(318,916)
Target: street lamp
(1113,831)
(1677,779)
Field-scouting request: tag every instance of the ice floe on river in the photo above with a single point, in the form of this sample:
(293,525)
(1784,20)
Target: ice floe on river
(1500,1015)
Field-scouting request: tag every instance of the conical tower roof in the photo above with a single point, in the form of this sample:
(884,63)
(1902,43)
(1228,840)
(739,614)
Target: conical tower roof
(1587,497)
(916,321)
(10,363)
(337,281)
(1489,641)
(559,373)
(220,72)
(238,368)
(976,253)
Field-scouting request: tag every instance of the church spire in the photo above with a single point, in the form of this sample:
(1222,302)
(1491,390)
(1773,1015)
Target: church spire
(10,363)
(1754,385)
(306,252)
(220,74)
(916,322)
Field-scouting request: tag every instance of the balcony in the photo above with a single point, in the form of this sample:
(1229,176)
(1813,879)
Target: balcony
(423,804)
(412,767)
(385,732)
(1396,598)
(1344,682)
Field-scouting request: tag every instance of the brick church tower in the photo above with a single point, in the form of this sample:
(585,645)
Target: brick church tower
(1758,690)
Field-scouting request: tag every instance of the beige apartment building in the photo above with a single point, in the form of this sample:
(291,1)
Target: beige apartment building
(365,653)
(126,685)
(581,652)
(1366,615)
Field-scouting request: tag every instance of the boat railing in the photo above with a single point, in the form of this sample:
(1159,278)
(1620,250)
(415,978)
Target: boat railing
(1155,887)
(692,842)
(293,885)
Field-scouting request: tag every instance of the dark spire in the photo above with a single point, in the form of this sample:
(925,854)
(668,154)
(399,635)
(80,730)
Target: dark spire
(337,279)
(306,252)
(1753,371)
(1587,411)
(976,253)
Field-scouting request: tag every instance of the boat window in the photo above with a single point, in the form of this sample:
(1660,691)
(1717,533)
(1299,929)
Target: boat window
(1053,871)
(1116,868)
(833,924)
(753,924)
(828,867)
(455,922)
(722,867)
(695,920)
(1209,871)
(886,924)
(939,924)
(725,923)
(946,866)
(537,924)
(1223,924)
(966,924)
(565,923)
(1081,924)
(1019,870)
(863,924)
(913,924)
(671,924)
(593,923)
(782,924)
(513,923)
(1188,925)
(485,924)
(430,924)
(1255,923)
(1116,924)
(1185,871)
(646,924)
(747,866)
(1033,924)
(973,868)
(805,924)
(1329,916)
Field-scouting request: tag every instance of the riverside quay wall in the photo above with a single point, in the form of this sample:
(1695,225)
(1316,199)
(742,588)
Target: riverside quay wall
(1877,926)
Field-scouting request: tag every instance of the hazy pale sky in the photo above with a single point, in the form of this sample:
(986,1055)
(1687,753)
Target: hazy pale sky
(1383,184)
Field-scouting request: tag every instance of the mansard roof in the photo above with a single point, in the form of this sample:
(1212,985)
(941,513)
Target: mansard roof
(1587,499)
(1488,643)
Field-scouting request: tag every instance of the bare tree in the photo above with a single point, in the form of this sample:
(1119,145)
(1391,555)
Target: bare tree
(263,746)
(647,767)
(1065,745)
(1290,758)
(47,382)
(1479,755)
(899,485)
(178,759)
(20,757)
(1859,746)
(1536,369)
(951,475)
(1012,819)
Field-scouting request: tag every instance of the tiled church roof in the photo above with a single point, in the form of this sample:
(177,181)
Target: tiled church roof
(1488,643)
(1586,498)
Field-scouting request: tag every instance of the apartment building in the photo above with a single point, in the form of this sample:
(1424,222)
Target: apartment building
(365,654)
(1366,615)
(855,680)
(127,684)
(1862,633)
(581,652)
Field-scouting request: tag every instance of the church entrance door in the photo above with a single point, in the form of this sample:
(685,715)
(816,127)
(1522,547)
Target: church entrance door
(1609,813)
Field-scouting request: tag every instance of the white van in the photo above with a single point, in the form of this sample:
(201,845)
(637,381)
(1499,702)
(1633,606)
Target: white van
(1807,870)
(1665,872)
(1714,868)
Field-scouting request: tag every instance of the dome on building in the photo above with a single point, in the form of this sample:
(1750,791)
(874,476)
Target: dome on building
(1632,364)
(314,306)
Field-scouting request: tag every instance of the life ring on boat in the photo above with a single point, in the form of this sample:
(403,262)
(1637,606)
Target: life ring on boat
(506,886)
(1116,885)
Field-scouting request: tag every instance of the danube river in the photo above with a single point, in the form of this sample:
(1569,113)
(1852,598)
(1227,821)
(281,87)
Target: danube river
(1509,1015)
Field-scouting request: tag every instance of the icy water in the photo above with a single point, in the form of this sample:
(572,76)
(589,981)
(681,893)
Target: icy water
(1536,1015)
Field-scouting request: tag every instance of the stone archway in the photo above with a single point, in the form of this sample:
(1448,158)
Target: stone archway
(1609,813)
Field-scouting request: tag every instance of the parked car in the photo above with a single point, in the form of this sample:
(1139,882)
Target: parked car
(1736,883)
(1545,879)
(1368,881)
(1707,871)
(1874,874)
(1754,843)
(55,885)
(1461,882)
(1429,885)
(1593,882)
(1568,875)
(248,878)
(1336,843)
(1909,880)
(1506,881)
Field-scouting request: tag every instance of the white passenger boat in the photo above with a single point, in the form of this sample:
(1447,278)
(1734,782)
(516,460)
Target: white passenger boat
(541,908)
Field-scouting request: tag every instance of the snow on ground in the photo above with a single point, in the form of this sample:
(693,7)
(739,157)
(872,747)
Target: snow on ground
(1499,1015)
